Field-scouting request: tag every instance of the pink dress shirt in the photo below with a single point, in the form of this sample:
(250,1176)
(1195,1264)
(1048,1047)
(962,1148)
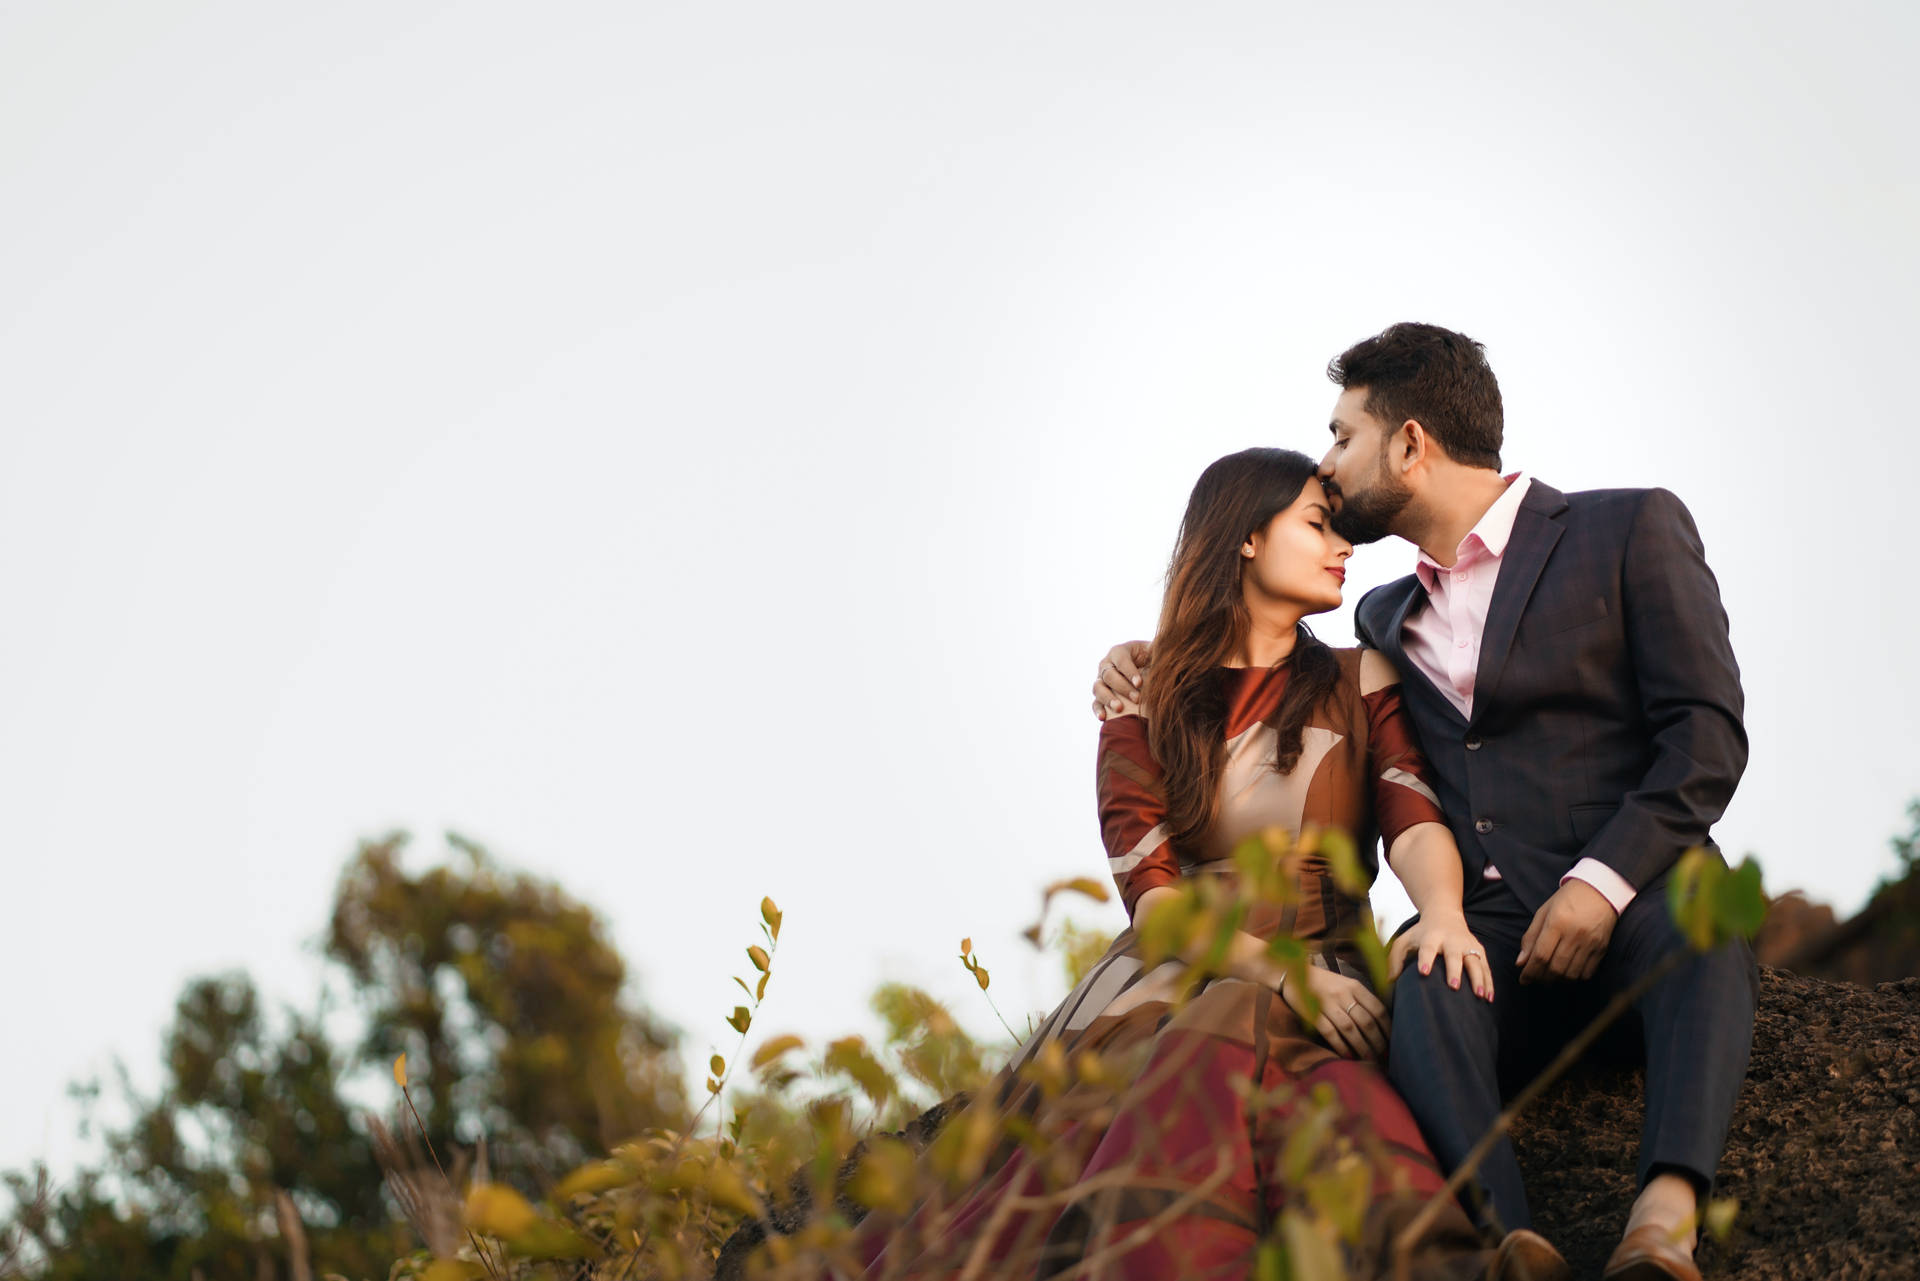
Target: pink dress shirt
(1443,640)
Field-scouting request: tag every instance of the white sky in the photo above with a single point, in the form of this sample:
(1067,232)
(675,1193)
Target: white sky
(703,453)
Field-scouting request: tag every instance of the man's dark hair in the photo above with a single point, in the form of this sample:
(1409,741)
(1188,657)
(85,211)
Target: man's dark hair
(1434,376)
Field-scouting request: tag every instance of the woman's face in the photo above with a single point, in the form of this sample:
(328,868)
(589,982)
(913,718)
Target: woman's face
(1297,559)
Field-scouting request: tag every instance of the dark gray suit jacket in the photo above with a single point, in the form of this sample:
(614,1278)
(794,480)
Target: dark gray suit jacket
(1607,705)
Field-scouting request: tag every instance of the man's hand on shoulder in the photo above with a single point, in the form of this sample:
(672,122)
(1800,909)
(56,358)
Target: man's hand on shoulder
(1116,690)
(1568,936)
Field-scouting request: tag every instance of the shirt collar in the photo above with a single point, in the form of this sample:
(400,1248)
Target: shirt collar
(1490,535)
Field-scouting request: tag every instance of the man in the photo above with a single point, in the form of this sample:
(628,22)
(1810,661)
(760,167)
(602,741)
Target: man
(1566,661)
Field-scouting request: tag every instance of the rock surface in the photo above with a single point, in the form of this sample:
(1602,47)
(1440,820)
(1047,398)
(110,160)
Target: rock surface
(1822,1155)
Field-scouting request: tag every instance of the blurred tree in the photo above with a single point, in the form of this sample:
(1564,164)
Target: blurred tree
(192,1184)
(510,1003)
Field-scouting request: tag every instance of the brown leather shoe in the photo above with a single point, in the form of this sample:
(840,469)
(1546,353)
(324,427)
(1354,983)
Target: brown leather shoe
(1649,1254)
(1527,1256)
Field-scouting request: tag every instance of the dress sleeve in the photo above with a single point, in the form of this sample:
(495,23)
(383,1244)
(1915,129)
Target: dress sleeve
(1403,792)
(1133,811)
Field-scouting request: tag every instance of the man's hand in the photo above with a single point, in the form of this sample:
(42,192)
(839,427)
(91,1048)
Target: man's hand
(1116,690)
(1568,936)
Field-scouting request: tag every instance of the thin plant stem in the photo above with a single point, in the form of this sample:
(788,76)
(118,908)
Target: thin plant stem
(486,1258)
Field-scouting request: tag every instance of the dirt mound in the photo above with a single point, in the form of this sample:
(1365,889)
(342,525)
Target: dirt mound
(1822,1155)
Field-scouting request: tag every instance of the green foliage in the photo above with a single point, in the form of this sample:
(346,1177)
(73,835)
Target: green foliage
(510,1002)
(1906,849)
(1079,947)
(248,1112)
(1713,903)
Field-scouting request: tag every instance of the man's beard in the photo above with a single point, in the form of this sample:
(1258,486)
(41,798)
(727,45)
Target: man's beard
(1367,515)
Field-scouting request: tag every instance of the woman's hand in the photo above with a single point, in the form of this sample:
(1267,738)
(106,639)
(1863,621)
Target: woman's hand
(1352,1020)
(1445,935)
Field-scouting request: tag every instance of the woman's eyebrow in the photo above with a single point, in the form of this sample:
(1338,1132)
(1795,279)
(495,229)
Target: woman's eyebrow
(1322,508)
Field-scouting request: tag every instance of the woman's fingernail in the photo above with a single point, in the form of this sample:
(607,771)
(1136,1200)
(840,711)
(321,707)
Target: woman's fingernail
(1454,984)
(1115,704)
(1136,682)
(1426,969)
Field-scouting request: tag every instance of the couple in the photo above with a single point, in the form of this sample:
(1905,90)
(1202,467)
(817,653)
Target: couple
(1539,720)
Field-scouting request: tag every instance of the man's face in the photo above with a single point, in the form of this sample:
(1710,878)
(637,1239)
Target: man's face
(1368,495)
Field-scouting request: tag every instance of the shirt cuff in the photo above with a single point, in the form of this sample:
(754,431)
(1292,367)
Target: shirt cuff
(1613,887)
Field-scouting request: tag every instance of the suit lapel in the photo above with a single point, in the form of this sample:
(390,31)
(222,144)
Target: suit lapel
(1536,530)
(1396,648)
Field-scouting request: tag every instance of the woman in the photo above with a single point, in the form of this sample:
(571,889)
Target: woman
(1248,724)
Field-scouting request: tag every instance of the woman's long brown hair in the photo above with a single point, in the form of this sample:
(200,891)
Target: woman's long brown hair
(1203,623)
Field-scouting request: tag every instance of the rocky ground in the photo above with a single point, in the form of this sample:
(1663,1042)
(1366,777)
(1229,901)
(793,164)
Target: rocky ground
(1824,1154)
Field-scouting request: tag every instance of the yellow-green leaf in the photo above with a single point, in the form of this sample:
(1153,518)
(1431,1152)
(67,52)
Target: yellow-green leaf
(1721,1212)
(717,1065)
(600,1176)
(758,955)
(1691,891)
(1340,1195)
(1087,885)
(773,1049)
(496,1210)
(980,976)
(884,1178)
(740,1020)
(713,1086)
(1312,1254)
(760,988)
(1344,862)
(725,1187)
(966,946)
(1311,1129)
(1740,905)
(1093,1070)
(850,1055)
(771,915)
(960,1151)
(400,1071)
(1372,950)
(1164,931)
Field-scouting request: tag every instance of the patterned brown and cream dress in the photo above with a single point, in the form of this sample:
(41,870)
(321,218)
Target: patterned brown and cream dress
(1182,1152)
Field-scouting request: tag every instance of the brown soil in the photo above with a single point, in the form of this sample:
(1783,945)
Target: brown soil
(1822,1154)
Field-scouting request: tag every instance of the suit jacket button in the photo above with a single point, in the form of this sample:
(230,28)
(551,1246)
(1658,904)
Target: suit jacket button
(1473,743)
(1483,825)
